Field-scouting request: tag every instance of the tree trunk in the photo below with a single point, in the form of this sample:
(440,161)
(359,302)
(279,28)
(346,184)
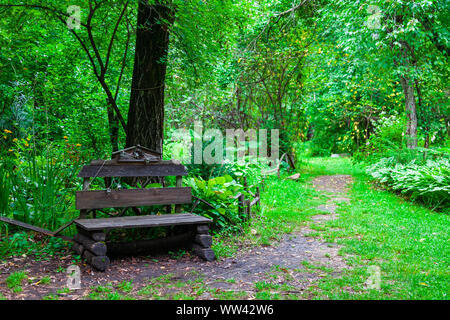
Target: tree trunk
(113,123)
(146,113)
(411,112)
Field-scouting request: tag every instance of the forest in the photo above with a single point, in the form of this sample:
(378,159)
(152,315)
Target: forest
(350,98)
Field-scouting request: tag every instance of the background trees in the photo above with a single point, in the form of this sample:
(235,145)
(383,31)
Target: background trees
(330,74)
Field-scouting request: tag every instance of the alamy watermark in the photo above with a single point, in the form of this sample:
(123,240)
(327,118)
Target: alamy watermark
(73,277)
(374,280)
(374,20)
(214,146)
(74,19)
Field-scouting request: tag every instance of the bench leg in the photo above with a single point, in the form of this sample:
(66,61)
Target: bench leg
(202,243)
(91,246)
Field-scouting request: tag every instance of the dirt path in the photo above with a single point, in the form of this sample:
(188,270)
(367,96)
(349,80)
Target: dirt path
(283,267)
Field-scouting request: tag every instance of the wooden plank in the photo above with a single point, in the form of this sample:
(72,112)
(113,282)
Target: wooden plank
(140,221)
(113,162)
(98,199)
(179,184)
(150,170)
(27,226)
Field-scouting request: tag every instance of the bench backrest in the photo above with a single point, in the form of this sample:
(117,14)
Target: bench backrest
(111,169)
(97,199)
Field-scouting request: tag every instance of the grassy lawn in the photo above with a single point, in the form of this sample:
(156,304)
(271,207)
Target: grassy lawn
(408,242)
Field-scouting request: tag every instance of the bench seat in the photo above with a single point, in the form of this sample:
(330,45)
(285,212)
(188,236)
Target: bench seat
(140,221)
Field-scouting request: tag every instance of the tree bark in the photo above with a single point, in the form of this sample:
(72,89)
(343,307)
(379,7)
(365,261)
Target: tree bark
(146,112)
(411,112)
(113,123)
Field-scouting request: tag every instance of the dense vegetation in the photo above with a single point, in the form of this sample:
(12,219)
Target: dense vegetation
(365,78)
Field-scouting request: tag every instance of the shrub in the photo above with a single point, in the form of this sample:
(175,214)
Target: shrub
(386,141)
(427,182)
(219,192)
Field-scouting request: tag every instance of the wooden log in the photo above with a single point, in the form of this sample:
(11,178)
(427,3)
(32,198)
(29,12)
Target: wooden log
(204,240)
(247,210)
(258,194)
(255,201)
(294,176)
(97,248)
(241,209)
(86,183)
(204,253)
(154,246)
(203,229)
(78,248)
(96,236)
(98,262)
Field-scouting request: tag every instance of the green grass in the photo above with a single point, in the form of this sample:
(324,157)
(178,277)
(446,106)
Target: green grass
(407,241)
(14,281)
(45,280)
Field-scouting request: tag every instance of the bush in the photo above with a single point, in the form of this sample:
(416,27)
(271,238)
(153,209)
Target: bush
(386,141)
(219,192)
(39,188)
(427,182)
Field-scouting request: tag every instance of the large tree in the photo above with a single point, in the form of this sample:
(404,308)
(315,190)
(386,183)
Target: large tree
(146,106)
(146,112)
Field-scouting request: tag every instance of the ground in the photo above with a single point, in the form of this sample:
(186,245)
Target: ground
(316,253)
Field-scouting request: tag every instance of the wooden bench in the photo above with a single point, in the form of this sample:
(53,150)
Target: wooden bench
(90,241)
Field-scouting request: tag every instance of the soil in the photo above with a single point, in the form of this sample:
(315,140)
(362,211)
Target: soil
(282,263)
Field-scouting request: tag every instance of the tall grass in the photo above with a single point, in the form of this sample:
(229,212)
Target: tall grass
(38,188)
(5,191)
(43,190)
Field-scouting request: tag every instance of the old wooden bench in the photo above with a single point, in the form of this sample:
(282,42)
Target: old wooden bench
(90,241)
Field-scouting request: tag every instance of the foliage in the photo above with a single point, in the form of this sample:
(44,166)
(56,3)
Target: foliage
(219,192)
(5,190)
(40,188)
(428,182)
(22,243)
(328,74)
